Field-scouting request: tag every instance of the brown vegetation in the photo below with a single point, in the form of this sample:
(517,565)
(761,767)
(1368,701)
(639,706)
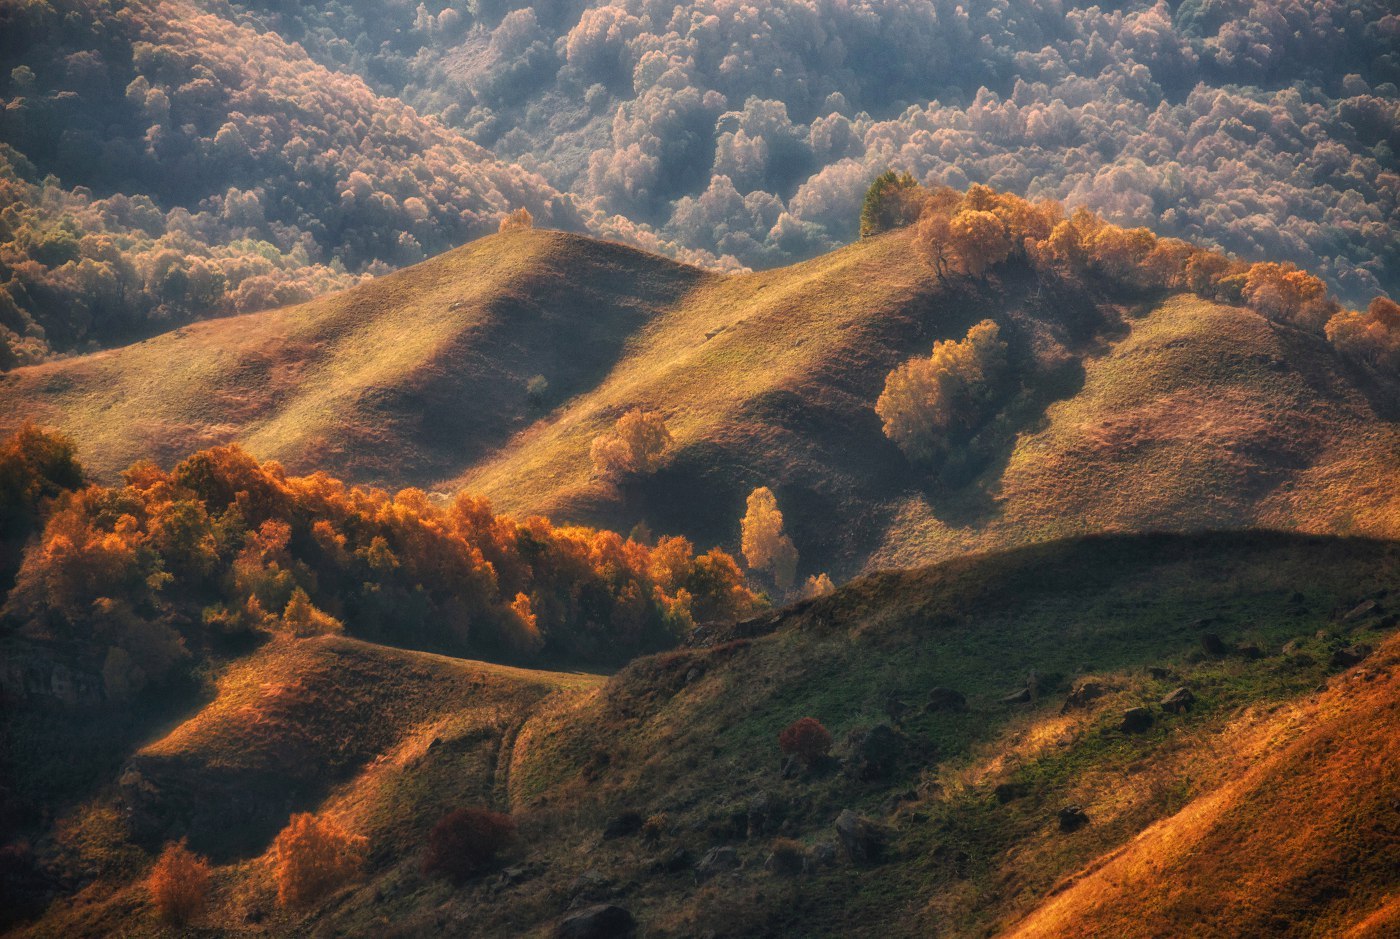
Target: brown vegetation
(637,446)
(465,841)
(314,856)
(179,884)
(806,739)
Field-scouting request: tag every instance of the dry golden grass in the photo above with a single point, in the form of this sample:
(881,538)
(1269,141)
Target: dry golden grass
(1301,840)
(1190,414)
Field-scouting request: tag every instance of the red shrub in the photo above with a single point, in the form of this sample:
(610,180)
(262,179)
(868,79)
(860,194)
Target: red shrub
(464,842)
(806,739)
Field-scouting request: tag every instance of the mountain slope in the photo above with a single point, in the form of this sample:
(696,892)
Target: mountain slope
(400,382)
(1305,842)
(1131,412)
(968,796)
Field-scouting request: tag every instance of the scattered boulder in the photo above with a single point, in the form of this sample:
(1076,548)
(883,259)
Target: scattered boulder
(1011,791)
(895,708)
(1351,655)
(863,839)
(1362,610)
(1136,720)
(716,861)
(590,885)
(602,921)
(897,799)
(620,826)
(1213,644)
(874,752)
(787,859)
(764,813)
(823,854)
(1072,818)
(674,862)
(789,768)
(945,699)
(1020,696)
(1178,701)
(1083,693)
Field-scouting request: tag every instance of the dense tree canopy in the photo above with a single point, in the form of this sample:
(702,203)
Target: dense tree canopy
(145,575)
(161,161)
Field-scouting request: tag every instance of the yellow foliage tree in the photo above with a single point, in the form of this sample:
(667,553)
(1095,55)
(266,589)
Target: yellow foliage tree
(518,220)
(926,399)
(818,585)
(637,445)
(766,546)
(302,618)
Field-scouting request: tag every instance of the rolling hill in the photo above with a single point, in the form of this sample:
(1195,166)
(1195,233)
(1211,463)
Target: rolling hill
(971,702)
(1134,412)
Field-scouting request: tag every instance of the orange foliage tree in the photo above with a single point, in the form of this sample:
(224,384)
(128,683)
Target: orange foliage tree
(312,857)
(179,884)
(139,573)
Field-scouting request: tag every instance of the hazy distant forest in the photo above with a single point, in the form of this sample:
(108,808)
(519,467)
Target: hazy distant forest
(164,160)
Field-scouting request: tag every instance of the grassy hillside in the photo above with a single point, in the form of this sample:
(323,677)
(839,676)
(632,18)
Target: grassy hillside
(384,739)
(1261,767)
(401,382)
(1127,412)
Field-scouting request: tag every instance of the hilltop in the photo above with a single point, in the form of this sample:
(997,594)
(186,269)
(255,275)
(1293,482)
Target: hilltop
(1136,410)
(970,703)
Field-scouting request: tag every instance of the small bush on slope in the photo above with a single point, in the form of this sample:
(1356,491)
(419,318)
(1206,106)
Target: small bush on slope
(313,857)
(463,842)
(179,884)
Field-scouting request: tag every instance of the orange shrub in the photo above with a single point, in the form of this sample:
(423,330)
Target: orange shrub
(179,884)
(464,842)
(313,856)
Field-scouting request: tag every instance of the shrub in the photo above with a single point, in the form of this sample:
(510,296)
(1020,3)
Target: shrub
(766,546)
(179,884)
(464,842)
(313,856)
(927,400)
(655,827)
(806,739)
(536,391)
(302,618)
(818,585)
(637,445)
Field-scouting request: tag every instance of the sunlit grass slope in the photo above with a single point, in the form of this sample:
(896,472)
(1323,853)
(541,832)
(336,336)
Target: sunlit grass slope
(691,737)
(400,381)
(300,717)
(1125,413)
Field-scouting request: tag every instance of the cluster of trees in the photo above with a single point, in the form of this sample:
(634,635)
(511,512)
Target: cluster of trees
(970,233)
(752,130)
(160,162)
(311,857)
(149,573)
(931,402)
(164,161)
